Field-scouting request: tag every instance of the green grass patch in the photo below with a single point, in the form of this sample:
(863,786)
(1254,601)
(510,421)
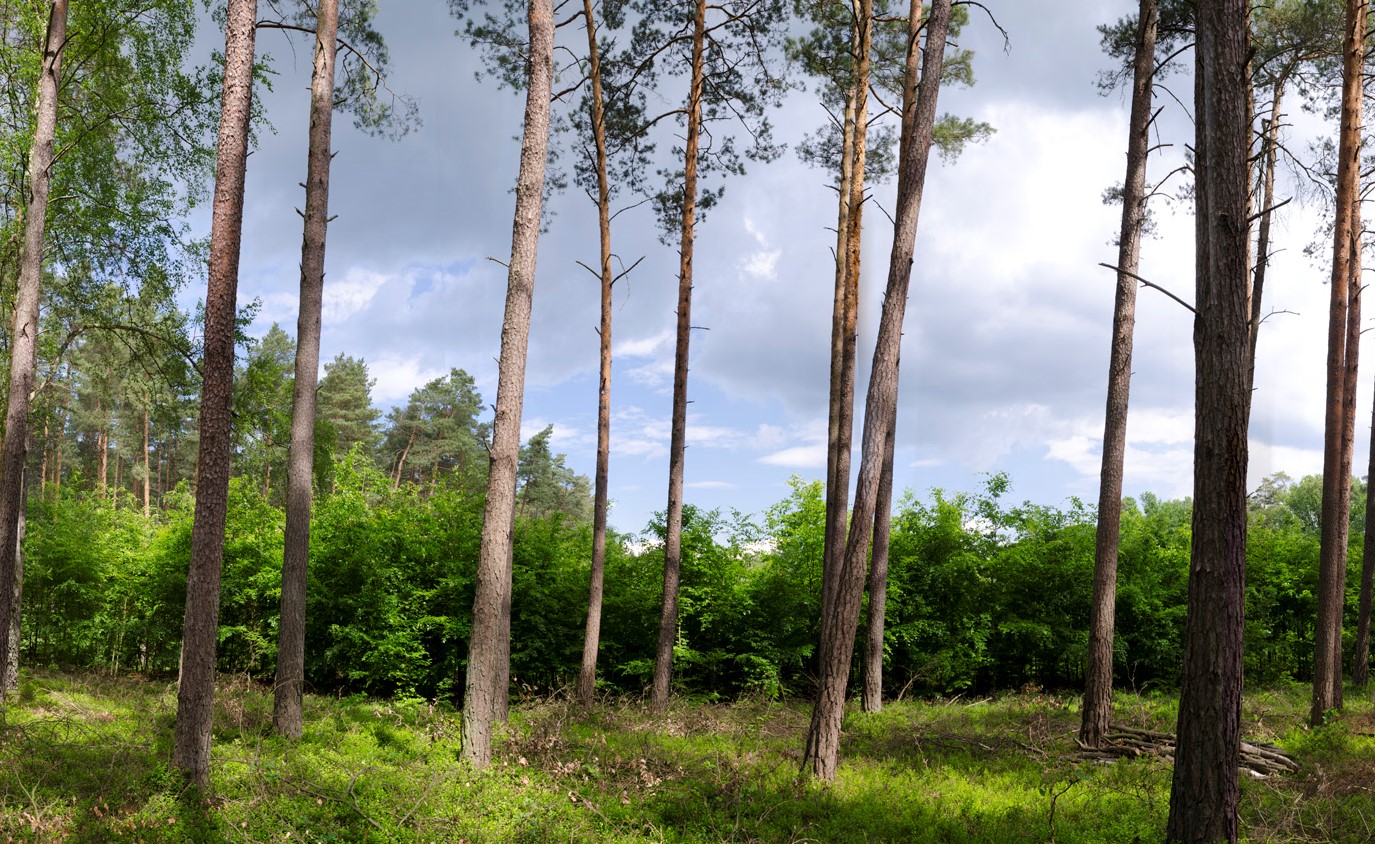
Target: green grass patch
(87,758)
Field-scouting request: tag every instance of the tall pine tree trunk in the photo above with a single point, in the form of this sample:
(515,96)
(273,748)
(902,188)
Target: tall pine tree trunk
(1350,372)
(845,310)
(1102,616)
(838,625)
(23,339)
(1203,796)
(872,698)
(1269,157)
(289,685)
(147,472)
(587,675)
(1360,666)
(486,684)
(673,528)
(196,689)
(1327,646)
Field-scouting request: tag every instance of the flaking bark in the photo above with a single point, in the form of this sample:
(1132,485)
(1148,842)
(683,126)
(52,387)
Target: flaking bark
(1327,646)
(673,529)
(838,625)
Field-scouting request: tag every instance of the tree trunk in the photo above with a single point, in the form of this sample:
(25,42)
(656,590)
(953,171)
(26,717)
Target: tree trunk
(872,699)
(1360,668)
(1332,555)
(487,681)
(1098,672)
(291,635)
(845,310)
(401,461)
(147,472)
(1203,797)
(196,690)
(23,339)
(1269,156)
(43,466)
(102,440)
(838,625)
(1350,371)
(673,527)
(16,631)
(587,675)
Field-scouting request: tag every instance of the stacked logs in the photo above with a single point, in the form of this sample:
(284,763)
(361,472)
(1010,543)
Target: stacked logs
(1258,759)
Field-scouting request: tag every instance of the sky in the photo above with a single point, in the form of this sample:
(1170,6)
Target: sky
(1005,352)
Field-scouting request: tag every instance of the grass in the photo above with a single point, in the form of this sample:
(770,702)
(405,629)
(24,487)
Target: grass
(85,758)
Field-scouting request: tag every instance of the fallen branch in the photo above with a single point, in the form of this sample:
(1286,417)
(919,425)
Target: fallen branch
(1256,758)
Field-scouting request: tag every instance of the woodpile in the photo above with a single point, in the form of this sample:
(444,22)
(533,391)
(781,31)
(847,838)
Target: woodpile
(1258,759)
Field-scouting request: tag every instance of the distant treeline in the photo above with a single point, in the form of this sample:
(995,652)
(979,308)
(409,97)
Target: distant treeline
(983,595)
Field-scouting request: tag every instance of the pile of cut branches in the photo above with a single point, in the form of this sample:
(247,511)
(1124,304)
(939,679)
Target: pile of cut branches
(1257,758)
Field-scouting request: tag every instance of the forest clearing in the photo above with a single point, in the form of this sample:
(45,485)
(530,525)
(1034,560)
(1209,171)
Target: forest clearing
(85,760)
(197,517)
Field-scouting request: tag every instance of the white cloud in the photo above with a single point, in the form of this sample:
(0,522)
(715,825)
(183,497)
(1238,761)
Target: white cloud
(710,485)
(798,457)
(398,377)
(351,294)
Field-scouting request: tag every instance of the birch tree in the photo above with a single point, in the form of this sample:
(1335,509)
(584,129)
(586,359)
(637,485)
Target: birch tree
(23,339)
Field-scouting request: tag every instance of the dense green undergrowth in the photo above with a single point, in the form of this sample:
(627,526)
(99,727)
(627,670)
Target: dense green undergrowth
(85,758)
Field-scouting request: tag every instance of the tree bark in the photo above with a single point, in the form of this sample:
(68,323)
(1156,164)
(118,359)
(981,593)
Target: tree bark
(23,339)
(1350,371)
(1097,711)
(673,528)
(487,681)
(1360,668)
(1270,157)
(16,629)
(1327,653)
(845,311)
(147,472)
(196,690)
(587,674)
(838,626)
(289,685)
(872,698)
(1203,797)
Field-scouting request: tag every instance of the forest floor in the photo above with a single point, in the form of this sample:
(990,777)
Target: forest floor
(86,758)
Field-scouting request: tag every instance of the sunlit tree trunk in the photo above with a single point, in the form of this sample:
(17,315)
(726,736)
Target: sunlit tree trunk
(845,310)
(1327,646)
(838,625)
(486,684)
(1203,796)
(24,337)
(291,634)
(673,529)
(1097,711)
(196,689)
(147,471)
